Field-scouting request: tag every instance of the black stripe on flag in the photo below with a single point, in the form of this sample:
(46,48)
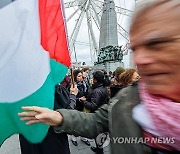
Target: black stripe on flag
(5,2)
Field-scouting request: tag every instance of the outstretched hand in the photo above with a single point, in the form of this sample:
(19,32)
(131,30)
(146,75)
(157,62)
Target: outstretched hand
(35,114)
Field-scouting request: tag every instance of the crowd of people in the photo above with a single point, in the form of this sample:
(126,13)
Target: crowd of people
(133,104)
(83,96)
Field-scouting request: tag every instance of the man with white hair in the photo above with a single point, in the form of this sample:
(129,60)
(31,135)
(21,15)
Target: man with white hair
(142,118)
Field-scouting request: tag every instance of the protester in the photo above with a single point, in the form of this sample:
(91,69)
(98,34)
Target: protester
(82,87)
(97,97)
(115,82)
(82,93)
(148,110)
(111,76)
(85,72)
(53,143)
(129,77)
(66,82)
(99,94)
(117,72)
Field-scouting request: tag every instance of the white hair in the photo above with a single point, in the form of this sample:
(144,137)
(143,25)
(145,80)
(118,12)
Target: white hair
(142,5)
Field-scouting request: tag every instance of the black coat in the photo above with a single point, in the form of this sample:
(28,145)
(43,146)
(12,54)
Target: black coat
(114,89)
(96,98)
(53,143)
(83,92)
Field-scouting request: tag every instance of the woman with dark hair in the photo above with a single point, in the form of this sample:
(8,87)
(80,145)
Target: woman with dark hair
(82,93)
(82,87)
(97,97)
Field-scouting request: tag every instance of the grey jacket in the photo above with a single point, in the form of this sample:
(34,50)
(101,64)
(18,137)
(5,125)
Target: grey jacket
(115,118)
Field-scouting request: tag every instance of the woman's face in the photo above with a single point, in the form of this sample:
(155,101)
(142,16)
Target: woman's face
(79,77)
(135,77)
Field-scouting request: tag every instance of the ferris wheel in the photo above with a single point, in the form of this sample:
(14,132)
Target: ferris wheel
(83,18)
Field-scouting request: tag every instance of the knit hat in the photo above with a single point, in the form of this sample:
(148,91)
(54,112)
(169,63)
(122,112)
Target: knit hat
(119,70)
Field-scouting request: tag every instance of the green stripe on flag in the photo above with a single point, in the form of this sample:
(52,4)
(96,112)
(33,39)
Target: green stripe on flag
(10,121)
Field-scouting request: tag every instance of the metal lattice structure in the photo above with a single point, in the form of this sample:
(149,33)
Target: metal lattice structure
(88,14)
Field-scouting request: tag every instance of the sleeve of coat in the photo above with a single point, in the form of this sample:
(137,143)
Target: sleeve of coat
(84,124)
(92,105)
(72,104)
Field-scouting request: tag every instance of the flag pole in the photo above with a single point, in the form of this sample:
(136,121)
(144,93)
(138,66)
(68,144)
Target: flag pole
(72,77)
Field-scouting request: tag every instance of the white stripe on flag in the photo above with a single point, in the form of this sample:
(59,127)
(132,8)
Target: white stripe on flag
(24,65)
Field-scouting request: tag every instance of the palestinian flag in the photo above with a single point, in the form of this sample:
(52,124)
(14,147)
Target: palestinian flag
(34,57)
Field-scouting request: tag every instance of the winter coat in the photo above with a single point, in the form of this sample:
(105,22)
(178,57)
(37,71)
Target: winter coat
(96,98)
(115,118)
(53,143)
(83,91)
(114,90)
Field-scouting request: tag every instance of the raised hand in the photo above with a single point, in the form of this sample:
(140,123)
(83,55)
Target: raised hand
(74,89)
(35,114)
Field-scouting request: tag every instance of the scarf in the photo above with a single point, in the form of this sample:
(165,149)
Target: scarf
(82,86)
(165,115)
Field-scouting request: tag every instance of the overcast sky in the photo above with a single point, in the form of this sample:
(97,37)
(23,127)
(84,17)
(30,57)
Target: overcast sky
(82,45)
